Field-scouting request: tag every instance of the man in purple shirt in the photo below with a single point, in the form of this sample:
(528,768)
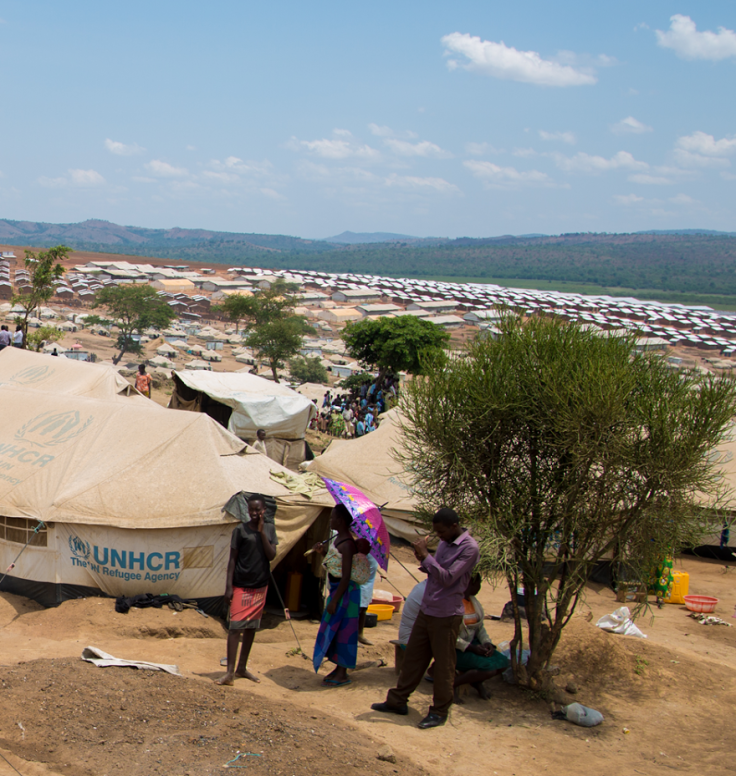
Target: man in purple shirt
(437,626)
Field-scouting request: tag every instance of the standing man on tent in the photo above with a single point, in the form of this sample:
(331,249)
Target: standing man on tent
(252,548)
(143,381)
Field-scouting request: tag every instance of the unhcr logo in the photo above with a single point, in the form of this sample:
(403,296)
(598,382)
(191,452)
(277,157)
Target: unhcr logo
(32,374)
(53,428)
(79,548)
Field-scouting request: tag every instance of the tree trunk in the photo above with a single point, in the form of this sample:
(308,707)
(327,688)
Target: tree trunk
(117,359)
(274,370)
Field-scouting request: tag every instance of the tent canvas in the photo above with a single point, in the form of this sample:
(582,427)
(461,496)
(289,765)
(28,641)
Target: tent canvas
(368,464)
(42,372)
(255,403)
(131,495)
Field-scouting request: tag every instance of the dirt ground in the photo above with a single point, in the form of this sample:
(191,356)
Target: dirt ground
(668,700)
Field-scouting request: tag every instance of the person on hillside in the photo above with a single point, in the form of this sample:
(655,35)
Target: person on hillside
(360,427)
(347,569)
(366,590)
(477,658)
(5,338)
(18,337)
(438,624)
(252,548)
(143,381)
(347,416)
(260,443)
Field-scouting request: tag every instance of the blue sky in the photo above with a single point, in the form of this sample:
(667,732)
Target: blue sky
(425,118)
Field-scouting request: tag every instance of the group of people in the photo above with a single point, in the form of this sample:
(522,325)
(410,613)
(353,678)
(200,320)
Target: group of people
(7,339)
(442,628)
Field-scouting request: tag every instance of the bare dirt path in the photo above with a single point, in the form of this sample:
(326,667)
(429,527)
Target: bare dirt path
(675,694)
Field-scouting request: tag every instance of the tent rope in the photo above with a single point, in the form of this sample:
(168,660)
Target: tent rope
(288,618)
(30,539)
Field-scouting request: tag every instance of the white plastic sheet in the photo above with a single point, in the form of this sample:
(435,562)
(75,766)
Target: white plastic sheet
(620,622)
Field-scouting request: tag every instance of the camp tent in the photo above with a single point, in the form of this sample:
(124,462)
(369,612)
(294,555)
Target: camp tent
(243,403)
(368,463)
(131,496)
(41,372)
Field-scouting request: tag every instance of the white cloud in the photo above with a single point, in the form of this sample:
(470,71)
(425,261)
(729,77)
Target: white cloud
(689,159)
(272,194)
(682,199)
(166,170)
(86,178)
(650,180)
(524,153)
(480,149)
(121,149)
(495,176)
(422,148)
(422,184)
(380,131)
(53,183)
(583,162)
(627,199)
(80,178)
(505,62)
(343,146)
(685,40)
(702,143)
(630,126)
(564,137)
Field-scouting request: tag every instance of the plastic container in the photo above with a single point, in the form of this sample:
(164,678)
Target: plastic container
(680,588)
(395,601)
(382,611)
(371,620)
(701,603)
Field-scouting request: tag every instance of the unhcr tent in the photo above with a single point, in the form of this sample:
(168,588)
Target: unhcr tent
(243,403)
(368,463)
(131,496)
(41,372)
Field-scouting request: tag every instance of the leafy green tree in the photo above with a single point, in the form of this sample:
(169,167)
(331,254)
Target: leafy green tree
(560,449)
(39,337)
(264,306)
(44,270)
(278,340)
(353,382)
(394,344)
(308,370)
(132,308)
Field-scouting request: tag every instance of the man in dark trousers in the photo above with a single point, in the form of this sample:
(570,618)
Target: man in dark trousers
(252,548)
(441,614)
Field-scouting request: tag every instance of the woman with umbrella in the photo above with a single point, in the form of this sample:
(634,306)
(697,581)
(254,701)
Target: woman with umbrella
(337,639)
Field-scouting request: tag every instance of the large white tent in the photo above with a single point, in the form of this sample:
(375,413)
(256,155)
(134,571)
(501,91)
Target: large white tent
(131,496)
(369,464)
(43,372)
(255,403)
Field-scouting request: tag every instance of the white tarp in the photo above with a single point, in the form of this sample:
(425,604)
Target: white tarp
(255,402)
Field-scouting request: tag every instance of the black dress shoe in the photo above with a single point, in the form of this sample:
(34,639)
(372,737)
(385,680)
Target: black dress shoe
(400,710)
(432,720)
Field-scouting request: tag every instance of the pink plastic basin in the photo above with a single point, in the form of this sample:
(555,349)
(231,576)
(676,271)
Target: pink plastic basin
(701,603)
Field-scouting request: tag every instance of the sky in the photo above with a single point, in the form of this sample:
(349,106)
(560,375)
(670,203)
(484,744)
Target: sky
(423,118)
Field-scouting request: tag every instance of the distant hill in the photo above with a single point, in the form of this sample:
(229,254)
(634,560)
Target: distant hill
(96,235)
(353,238)
(672,262)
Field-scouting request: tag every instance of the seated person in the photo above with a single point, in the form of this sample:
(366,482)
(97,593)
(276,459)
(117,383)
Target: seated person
(410,611)
(477,657)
